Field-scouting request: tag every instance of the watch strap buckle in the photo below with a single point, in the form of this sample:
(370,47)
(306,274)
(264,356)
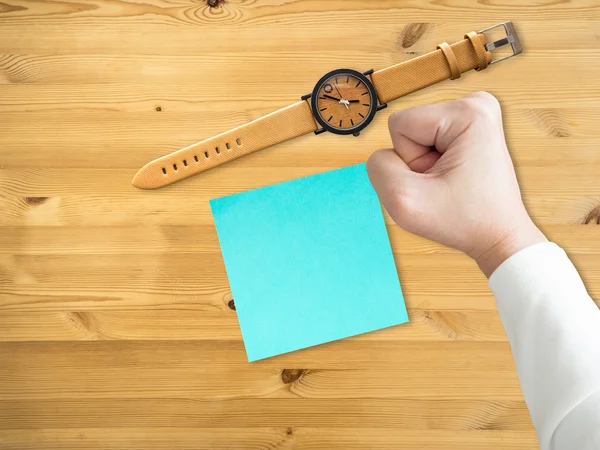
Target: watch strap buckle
(511,38)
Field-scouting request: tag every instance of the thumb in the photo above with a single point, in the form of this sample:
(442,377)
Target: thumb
(405,194)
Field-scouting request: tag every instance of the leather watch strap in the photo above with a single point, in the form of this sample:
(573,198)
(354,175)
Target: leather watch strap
(417,73)
(451,59)
(279,126)
(447,62)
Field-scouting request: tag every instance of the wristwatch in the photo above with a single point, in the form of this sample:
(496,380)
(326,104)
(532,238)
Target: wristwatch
(344,101)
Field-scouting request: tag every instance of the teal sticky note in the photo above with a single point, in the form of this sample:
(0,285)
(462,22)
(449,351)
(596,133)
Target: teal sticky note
(309,261)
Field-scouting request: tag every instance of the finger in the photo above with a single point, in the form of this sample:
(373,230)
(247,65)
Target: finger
(385,168)
(416,130)
(416,156)
(419,158)
(399,188)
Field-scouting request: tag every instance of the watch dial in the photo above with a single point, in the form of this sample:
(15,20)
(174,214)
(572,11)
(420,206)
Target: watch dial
(344,101)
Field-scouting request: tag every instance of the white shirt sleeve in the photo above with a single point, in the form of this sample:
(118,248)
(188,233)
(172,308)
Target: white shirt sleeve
(554,331)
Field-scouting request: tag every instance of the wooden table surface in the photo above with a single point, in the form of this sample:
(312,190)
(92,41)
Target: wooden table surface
(116,321)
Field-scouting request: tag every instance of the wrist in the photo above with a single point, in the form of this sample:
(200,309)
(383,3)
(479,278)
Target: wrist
(510,243)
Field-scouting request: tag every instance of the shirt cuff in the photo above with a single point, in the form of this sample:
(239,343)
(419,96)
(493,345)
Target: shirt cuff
(533,269)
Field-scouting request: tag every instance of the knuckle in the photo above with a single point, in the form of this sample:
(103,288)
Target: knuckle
(374,160)
(376,168)
(481,105)
(484,96)
(394,120)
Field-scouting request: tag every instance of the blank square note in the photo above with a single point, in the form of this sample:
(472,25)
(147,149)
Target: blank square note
(309,261)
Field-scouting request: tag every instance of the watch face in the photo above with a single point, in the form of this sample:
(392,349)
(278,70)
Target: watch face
(344,101)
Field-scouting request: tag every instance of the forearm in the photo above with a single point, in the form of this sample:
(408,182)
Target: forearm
(554,330)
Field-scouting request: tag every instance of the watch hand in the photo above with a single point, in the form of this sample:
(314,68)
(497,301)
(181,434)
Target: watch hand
(332,98)
(338,91)
(342,101)
(353,101)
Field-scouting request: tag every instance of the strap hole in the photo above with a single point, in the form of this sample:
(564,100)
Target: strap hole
(227,145)
(238,141)
(164,171)
(206,154)
(217,150)
(175,166)
(196,158)
(185,163)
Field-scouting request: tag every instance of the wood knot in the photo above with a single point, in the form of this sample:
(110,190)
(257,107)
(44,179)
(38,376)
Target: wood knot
(214,3)
(289,432)
(35,201)
(593,216)
(412,33)
(85,325)
(231,304)
(442,322)
(80,319)
(158,109)
(5,8)
(290,375)
(552,122)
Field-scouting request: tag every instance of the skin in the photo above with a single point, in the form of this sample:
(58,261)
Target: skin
(449,178)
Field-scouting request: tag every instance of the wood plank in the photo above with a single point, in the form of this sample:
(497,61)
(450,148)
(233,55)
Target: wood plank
(223,325)
(217,384)
(385,414)
(214,370)
(21,12)
(284,438)
(386,35)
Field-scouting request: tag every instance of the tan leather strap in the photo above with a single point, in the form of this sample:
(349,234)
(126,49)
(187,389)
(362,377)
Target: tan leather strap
(480,51)
(451,59)
(279,126)
(417,73)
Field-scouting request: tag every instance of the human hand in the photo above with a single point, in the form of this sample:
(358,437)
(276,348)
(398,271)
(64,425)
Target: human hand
(449,178)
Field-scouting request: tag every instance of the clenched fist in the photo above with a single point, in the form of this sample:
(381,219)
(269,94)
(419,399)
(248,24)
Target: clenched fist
(449,178)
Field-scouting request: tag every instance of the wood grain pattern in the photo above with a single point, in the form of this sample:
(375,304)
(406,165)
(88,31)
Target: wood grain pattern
(261,438)
(117,327)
